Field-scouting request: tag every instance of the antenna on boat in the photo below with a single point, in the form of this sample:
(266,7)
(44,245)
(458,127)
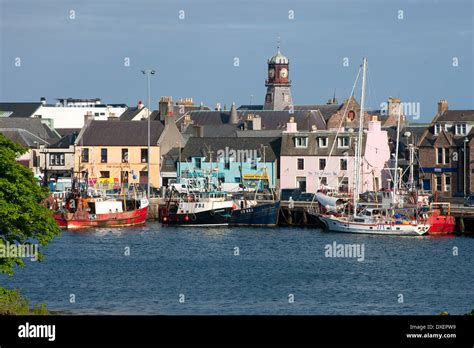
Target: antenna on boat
(395,177)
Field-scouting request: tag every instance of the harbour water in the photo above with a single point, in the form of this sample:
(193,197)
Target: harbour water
(178,270)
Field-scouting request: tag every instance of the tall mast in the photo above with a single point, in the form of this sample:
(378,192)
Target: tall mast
(358,157)
(395,176)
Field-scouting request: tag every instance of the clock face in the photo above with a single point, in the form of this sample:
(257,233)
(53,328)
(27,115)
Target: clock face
(284,73)
(271,73)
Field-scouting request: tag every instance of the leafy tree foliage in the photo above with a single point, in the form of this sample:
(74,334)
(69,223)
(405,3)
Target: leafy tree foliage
(23,220)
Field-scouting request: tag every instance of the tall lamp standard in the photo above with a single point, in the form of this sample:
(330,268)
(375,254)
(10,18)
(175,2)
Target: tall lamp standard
(465,141)
(148,73)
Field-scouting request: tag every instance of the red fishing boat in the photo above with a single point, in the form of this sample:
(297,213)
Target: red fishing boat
(440,219)
(79,213)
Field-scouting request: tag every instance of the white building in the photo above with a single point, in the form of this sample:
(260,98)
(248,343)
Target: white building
(71,113)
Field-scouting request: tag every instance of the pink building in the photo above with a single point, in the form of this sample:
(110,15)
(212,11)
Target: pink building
(325,158)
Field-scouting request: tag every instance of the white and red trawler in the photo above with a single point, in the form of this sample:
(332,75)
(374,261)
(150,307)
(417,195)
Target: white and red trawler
(77,212)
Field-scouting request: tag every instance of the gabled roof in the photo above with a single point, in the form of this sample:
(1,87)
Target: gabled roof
(19,109)
(130,113)
(120,133)
(32,125)
(199,147)
(66,141)
(23,137)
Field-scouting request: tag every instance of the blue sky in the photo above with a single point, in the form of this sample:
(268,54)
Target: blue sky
(194,57)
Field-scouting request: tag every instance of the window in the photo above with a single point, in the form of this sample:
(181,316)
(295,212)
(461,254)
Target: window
(446,156)
(105,174)
(351,116)
(197,162)
(268,98)
(85,155)
(323,142)
(439,155)
(438,183)
(322,163)
(343,164)
(56,159)
(144,155)
(300,163)
(301,142)
(343,184)
(96,114)
(102,114)
(343,142)
(124,155)
(227,164)
(143,177)
(103,155)
(301,183)
(323,181)
(447,183)
(253,163)
(437,129)
(461,129)
(124,177)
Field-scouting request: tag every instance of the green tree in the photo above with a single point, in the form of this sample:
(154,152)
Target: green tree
(23,220)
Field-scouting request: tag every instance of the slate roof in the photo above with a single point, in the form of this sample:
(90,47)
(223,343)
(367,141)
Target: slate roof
(120,133)
(65,131)
(32,125)
(23,137)
(250,107)
(456,116)
(199,147)
(66,141)
(269,119)
(19,109)
(270,133)
(327,110)
(130,113)
(288,147)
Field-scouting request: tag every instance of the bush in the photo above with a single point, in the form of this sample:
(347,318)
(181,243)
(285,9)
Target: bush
(13,303)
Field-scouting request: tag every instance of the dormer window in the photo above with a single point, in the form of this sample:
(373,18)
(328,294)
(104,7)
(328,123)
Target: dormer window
(343,142)
(461,129)
(437,129)
(323,142)
(301,142)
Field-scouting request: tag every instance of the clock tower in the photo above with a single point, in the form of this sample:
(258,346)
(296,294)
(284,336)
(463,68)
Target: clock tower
(278,95)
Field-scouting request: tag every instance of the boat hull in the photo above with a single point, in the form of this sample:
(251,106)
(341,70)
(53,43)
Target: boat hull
(337,225)
(218,217)
(261,215)
(84,220)
(441,224)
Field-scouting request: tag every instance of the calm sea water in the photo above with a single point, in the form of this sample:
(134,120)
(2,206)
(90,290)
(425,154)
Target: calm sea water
(273,263)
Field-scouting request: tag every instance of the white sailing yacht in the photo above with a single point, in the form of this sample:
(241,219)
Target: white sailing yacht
(371,220)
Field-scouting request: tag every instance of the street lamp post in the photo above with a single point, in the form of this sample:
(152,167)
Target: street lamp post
(148,72)
(466,140)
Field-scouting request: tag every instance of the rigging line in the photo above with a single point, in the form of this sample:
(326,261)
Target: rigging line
(345,111)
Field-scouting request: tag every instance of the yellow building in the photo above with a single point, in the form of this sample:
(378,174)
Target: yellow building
(115,152)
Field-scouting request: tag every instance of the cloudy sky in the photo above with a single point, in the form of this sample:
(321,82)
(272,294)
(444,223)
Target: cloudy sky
(96,48)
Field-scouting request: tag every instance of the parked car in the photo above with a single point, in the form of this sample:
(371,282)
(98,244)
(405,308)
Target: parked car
(469,201)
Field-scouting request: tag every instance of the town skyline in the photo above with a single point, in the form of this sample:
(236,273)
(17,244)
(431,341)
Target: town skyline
(216,58)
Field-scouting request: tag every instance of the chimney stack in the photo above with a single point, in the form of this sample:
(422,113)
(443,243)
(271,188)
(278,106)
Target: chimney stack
(234,118)
(140,105)
(291,126)
(165,107)
(393,106)
(43,100)
(442,106)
